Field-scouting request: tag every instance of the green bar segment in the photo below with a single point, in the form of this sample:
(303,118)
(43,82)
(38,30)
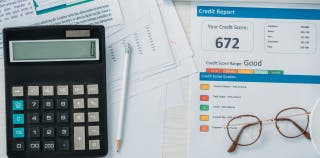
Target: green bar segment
(275,72)
(204,107)
(260,72)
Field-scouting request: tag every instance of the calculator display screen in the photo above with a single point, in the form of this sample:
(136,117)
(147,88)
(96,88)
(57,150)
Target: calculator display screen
(54,50)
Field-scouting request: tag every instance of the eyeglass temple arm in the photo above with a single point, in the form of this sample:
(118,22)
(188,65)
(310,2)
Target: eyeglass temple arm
(234,144)
(305,133)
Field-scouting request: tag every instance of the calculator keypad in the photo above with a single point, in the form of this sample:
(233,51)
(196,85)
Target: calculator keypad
(56,118)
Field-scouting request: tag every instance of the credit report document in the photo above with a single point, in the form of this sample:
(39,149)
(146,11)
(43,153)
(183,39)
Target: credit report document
(253,58)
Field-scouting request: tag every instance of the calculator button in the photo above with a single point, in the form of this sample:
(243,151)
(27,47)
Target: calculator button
(63,90)
(93,89)
(18,132)
(47,104)
(17,91)
(47,91)
(93,103)
(34,118)
(63,118)
(18,119)
(48,132)
(18,146)
(49,146)
(62,104)
(78,117)
(93,116)
(33,90)
(34,104)
(34,132)
(78,89)
(94,144)
(48,118)
(34,146)
(64,145)
(79,140)
(78,103)
(17,105)
(93,130)
(63,131)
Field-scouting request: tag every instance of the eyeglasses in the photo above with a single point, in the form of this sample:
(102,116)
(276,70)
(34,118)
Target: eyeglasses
(245,130)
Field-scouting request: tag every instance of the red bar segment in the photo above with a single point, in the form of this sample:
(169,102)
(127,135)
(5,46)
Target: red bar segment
(214,70)
(204,98)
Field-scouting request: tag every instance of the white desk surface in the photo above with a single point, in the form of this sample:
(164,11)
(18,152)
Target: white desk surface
(175,131)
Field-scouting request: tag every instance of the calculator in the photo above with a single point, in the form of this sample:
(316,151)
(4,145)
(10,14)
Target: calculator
(55,84)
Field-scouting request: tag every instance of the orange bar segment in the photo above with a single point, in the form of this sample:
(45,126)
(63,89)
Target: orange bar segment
(204,86)
(214,70)
(245,71)
(204,128)
(204,118)
(230,71)
(204,98)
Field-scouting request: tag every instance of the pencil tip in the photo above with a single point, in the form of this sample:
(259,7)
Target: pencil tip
(118,144)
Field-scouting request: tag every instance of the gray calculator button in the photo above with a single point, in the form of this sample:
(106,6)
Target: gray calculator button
(78,89)
(94,144)
(34,118)
(93,103)
(48,132)
(63,131)
(34,146)
(48,118)
(17,91)
(79,140)
(78,117)
(93,116)
(93,89)
(47,104)
(94,130)
(64,144)
(34,132)
(63,90)
(78,103)
(18,146)
(33,90)
(49,146)
(47,91)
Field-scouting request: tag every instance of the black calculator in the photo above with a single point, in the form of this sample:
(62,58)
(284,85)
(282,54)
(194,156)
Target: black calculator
(55,84)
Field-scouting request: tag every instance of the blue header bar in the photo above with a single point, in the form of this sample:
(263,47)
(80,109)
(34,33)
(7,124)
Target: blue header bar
(302,79)
(265,13)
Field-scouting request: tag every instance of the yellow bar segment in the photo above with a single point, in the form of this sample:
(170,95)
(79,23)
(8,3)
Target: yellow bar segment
(204,86)
(245,71)
(204,118)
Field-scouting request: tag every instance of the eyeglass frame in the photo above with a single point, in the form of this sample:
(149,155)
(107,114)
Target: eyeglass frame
(235,142)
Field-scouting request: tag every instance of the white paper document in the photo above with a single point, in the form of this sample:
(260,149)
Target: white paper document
(144,123)
(58,12)
(181,53)
(254,59)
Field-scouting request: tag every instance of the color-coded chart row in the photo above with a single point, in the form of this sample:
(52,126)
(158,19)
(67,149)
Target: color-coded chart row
(244,71)
(204,108)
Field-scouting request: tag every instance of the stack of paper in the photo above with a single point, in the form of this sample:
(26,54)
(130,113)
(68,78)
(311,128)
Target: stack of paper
(158,37)
(159,55)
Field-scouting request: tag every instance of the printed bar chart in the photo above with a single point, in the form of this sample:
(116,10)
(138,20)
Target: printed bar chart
(46,6)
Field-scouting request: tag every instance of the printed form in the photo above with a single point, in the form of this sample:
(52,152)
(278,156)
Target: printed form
(58,12)
(257,59)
